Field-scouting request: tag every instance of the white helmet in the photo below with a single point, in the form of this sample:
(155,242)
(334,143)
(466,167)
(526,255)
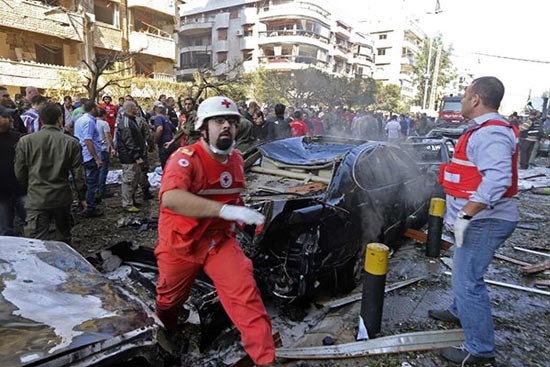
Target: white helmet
(215,106)
(105,96)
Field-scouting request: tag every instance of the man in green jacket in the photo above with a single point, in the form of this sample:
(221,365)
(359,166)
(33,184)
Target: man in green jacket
(43,161)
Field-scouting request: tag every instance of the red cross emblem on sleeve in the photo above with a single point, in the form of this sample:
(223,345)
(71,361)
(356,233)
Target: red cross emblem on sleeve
(226,103)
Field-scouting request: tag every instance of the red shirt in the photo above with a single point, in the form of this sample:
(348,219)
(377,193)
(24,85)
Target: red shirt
(110,115)
(299,128)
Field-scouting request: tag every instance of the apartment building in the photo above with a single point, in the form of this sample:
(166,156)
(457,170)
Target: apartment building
(397,42)
(44,41)
(281,35)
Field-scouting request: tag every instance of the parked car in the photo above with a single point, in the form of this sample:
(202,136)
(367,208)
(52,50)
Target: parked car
(56,309)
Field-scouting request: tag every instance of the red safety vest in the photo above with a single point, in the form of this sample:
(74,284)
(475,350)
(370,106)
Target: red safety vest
(220,182)
(460,178)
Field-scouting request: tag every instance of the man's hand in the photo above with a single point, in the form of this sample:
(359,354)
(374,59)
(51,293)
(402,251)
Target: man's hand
(241,213)
(459,228)
(98,162)
(83,206)
(139,161)
(168,143)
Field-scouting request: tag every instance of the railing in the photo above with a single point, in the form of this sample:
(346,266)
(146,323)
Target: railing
(163,76)
(301,5)
(150,29)
(282,59)
(149,44)
(292,32)
(33,73)
(161,6)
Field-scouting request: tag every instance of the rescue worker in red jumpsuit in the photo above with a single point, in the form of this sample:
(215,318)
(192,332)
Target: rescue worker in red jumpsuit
(200,202)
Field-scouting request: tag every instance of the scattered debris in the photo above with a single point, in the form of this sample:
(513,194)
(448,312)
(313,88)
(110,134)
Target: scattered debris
(513,286)
(422,238)
(534,176)
(536,268)
(409,342)
(356,297)
(531,251)
(512,260)
(246,361)
(541,190)
(542,283)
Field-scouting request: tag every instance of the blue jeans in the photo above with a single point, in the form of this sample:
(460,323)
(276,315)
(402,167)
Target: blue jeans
(92,180)
(103,171)
(471,303)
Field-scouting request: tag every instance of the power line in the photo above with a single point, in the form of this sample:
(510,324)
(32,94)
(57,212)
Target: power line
(512,58)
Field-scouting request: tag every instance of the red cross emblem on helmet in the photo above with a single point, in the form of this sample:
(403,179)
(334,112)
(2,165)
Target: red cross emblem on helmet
(226,103)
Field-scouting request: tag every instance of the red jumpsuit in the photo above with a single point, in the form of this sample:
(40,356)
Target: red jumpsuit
(110,115)
(187,245)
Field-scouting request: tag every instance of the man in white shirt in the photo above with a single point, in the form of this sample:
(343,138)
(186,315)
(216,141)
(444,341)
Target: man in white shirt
(393,129)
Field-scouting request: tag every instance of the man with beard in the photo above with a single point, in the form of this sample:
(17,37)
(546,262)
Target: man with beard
(200,202)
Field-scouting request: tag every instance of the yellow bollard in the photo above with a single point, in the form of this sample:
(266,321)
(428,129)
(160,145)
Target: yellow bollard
(435,227)
(374,284)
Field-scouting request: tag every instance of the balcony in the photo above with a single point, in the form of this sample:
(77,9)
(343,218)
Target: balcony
(249,16)
(204,48)
(249,43)
(153,45)
(222,21)
(197,24)
(293,37)
(160,6)
(164,77)
(290,62)
(33,16)
(342,30)
(107,37)
(43,76)
(300,9)
(221,46)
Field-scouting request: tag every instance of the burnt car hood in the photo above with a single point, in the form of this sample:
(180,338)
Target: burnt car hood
(54,305)
(303,151)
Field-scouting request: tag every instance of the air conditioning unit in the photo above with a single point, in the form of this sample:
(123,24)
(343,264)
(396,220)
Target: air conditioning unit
(239,33)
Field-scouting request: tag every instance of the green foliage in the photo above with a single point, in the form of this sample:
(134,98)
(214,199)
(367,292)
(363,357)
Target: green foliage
(309,87)
(446,73)
(388,99)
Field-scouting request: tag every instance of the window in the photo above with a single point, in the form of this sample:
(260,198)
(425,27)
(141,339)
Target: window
(222,34)
(248,30)
(222,57)
(189,60)
(382,36)
(234,14)
(381,52)
(247,55)
(49,54)
(107,12)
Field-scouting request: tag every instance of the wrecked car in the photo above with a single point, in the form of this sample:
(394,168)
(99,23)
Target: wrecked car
(324,199)
(56,309)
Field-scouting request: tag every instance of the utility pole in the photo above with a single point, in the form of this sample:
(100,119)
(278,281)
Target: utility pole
(433,91)
(427,75)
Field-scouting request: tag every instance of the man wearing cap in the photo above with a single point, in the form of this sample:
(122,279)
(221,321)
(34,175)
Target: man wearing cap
(11,192)
(110,110)
(200,203)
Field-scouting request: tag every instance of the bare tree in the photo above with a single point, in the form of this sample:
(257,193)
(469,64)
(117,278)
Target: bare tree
(228,83)
(106,66)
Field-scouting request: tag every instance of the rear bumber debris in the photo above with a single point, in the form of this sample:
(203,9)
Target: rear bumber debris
(409,342)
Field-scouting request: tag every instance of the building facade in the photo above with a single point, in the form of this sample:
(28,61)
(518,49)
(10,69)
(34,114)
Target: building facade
(281,35)
(397,42)
(42,41)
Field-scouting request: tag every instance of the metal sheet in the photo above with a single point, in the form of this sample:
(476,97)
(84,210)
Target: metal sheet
(356,297)
(408,342)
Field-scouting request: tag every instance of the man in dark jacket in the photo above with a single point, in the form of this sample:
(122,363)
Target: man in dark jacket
(11,192)
(131,151)
(43,162)
(278,128)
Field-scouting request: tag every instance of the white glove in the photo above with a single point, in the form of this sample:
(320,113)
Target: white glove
(241,213)
(459,228)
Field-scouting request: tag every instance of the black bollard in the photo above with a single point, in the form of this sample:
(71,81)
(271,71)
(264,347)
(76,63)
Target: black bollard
(374,284)
(435,227)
